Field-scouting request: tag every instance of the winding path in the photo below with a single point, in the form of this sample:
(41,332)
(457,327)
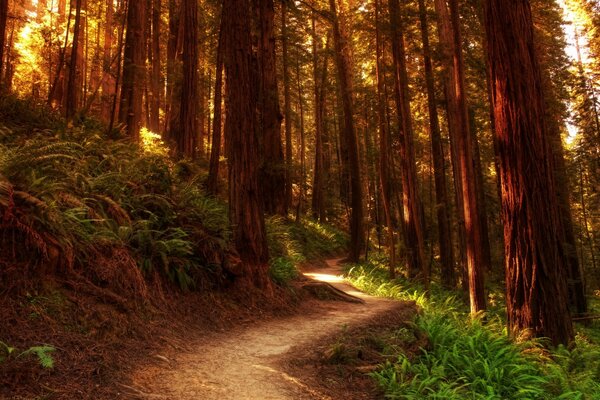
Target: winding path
(246,363)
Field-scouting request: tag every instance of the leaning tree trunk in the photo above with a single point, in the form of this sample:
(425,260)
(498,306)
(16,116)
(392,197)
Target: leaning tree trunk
(243,150)
(413,227)
(535,260)
(342,58)
(130,110)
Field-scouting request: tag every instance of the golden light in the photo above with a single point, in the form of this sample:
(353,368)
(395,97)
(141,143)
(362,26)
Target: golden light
(152,142)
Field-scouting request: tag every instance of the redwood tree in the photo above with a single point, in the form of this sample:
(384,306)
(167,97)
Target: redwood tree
(72,99)
(243,150)
(130,110)
(535,260)
(411,202)
(185,136)
(212,183)
(342,59)
(437,153)
(273,166)
(3,18)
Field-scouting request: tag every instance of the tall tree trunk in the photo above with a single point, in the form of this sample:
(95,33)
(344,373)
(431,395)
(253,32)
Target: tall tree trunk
(462,146)
(413,227)
(72,100)
(302,180)
(108,83)
(535,260)
(212,184)
(243,150)
(155,79)
(384,143)
(130,110)
(342,57)
(287,104)
(320,170)
(174,71)
(273,165)
(439,167)
(186,137)
(3,18)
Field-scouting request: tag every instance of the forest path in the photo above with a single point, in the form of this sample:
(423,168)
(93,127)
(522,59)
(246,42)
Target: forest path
(247,362)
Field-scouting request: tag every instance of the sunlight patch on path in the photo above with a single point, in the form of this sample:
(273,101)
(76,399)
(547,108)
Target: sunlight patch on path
(325,277)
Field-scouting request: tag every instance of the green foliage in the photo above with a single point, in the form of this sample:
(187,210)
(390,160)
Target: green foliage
(41,353)
(96,201)
(291,243)
(467,358)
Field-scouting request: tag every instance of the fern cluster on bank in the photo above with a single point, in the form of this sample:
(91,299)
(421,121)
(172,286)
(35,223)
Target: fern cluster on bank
(470,359)
(74,200)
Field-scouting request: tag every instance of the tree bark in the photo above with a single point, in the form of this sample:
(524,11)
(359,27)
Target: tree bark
(463,152)
(130,110)
(3,18)
(185,137)
(412,223)
(439,168)
(243,150)
(320,170)
(212,183)
(535,260)
(287,104)
(155,86)
(72,100)
(384,144)
(273,165)
(342,57)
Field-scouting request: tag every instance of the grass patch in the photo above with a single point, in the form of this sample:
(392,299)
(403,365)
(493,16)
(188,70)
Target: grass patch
(468,359)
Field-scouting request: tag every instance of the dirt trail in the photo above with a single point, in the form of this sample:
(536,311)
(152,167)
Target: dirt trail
(247,362)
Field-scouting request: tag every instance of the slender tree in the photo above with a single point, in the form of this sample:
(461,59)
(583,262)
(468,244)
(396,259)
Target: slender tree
(3,18)
(155,75)
(186,135)
(130,110)
(384,142)
(342,58)
(535,260)
(437,152)
(287,104)
(411,202)
(273,166)
(72,89)
(463,153)
(212,184)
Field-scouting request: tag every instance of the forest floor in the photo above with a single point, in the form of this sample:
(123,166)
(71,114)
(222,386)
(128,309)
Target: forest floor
(322,352)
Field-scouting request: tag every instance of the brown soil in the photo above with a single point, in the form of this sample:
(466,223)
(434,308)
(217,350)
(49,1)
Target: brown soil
(316,343)
(294,357)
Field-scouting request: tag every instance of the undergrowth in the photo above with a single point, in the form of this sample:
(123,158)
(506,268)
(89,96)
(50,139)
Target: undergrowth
(292,243)
(468,358)
(76,203)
